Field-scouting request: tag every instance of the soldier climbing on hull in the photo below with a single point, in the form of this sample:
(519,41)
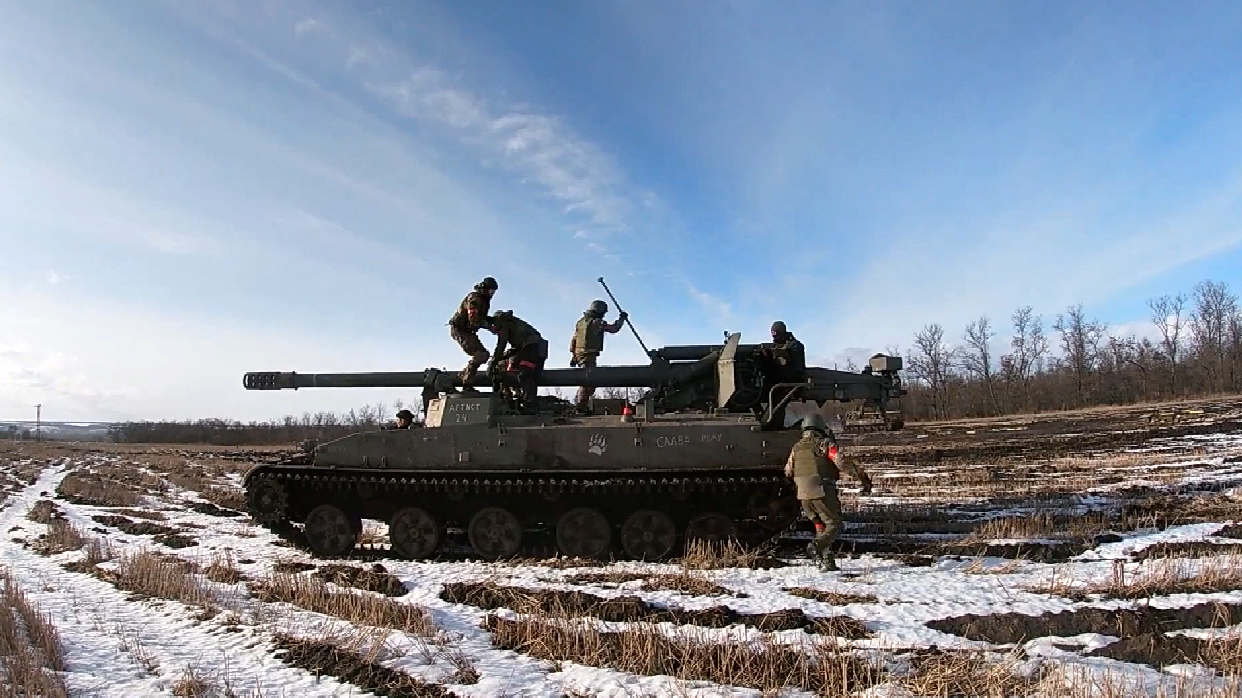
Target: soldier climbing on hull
(588,343)
(523,351)
(465,323)
(813,465)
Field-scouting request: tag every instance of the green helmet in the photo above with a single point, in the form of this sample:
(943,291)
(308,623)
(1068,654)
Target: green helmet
(779,327)
(814,421)
(597,308)
(487,283)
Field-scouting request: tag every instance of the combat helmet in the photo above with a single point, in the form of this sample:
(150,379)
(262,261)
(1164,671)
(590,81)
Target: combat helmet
(814,421)
(487,283)
(597,307)
(778,327)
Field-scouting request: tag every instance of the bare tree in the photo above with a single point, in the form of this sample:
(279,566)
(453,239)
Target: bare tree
(1080,342)
(1214,307)
(1029,344)
(977,356)
(932,363)
(1166,314)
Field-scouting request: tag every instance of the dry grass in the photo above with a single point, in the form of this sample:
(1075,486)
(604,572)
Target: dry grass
(836,598)
(223,569)
(30,648)
(966,673)
(1055,524)
(313,594)
(45,511)
(1158,578)
(1078,681)
(89,487)
(354,660)
(684,581)
(687,654)
(61,536)
(161,576)
(705,555)
(226,497)
(376,579)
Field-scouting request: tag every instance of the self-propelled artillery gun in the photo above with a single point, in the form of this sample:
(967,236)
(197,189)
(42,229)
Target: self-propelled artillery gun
(699,456)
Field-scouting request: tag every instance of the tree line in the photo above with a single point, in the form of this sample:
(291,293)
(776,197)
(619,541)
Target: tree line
(320,426)
(1077,362)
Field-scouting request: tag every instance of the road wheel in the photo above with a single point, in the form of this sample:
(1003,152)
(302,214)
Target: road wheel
(330,531)
(714,528)
(648,535)
(495,533)
(267,500)
(413,533)
(583,532)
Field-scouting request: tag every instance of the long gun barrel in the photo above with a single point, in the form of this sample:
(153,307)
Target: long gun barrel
(600,376)
(678,377)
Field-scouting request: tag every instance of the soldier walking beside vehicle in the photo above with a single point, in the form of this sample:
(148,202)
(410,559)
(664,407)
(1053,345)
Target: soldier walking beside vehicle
(813,464)
(588,343)
(465,323)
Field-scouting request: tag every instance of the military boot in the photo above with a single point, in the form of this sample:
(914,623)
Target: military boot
(827,562)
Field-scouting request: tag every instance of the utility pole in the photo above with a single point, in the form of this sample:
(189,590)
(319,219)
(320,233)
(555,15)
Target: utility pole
(39,421)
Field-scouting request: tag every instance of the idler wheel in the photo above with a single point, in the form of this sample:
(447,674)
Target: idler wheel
(648,535)
(712,528)
(267,501)
(414,533)
(494,533)
(330,531)
(583,532)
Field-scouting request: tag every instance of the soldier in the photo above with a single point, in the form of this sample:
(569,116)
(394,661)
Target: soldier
(465,323)
(787,353)
(588,342)
(813,464)
(405,420)
(782,361)
(526,353)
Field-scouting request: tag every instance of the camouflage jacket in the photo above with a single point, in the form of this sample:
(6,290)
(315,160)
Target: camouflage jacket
(512,331)
(790,353)
(472,313)
(813,464)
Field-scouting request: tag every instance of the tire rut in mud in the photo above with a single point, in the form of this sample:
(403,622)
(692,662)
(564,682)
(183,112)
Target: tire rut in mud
(1160,650)
(1013,628)
(628,609)
(325,659)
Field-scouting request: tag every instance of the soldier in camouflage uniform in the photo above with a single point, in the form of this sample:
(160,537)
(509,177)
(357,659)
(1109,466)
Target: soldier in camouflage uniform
(525,355)
(465,323)
(782,361)
(588,342)
(813,464)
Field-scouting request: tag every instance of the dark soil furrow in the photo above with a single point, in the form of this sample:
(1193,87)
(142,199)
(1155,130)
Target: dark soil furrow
(625,609)
(1010,628)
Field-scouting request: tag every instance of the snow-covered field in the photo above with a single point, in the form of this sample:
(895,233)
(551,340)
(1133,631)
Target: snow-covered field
(225,636)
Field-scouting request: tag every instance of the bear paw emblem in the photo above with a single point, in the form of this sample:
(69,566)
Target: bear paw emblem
(597,445)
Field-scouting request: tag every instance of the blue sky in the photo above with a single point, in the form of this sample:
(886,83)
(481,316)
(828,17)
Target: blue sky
(189,191)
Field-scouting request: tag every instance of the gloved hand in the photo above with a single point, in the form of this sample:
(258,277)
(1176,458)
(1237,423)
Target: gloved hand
(573,363)
(623,315)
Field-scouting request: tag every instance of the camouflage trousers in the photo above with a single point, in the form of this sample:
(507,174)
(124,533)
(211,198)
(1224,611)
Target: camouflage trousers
(585,392)
(825,513)
(469,342)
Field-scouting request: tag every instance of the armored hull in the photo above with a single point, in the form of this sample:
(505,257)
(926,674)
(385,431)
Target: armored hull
(593,486)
